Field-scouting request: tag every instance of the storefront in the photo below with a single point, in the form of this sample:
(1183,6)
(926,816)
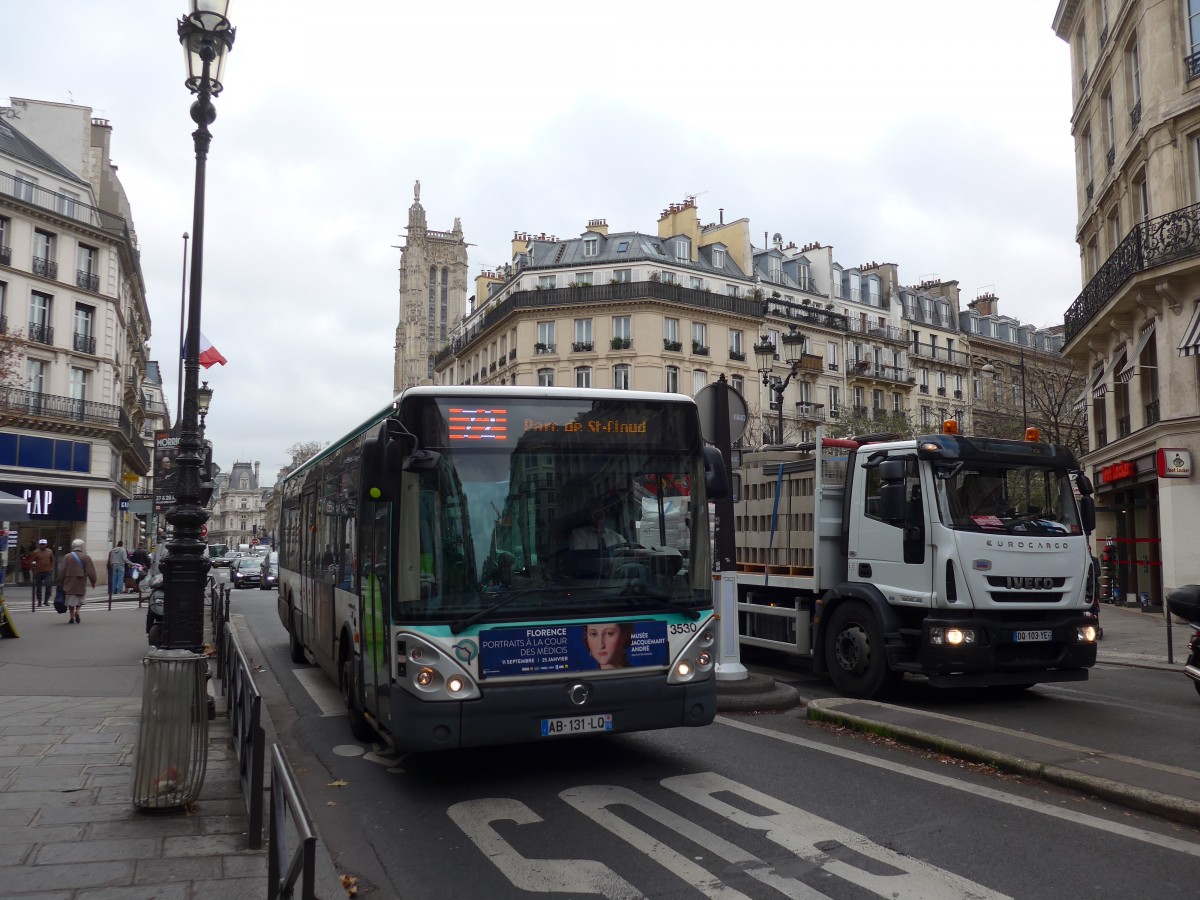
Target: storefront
(55,513)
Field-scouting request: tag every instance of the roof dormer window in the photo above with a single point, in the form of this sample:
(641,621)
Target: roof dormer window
(718,258)
(591,246)
(623,247)
(683,250)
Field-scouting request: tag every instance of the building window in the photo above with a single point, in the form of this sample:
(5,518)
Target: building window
(623,246)
(545,378)
(835,285)
(738,383)
(1141,189)
(547,282)
(23,186)
(546,335)
(731,290)
(35,375)
(835,399)
(85,328)
(622,276)
(583,279)
(774,268)
(622,377)
(683,250)
(671,330)
(1114,228)
(1133,58)
(695,283)
(621,328)
(79,385)
(831,355)
(699,380)
(1110,129)
(718,258)
(583,331)
(804,277)
(699,335)
(64,203)
(583,377)
(672,380)
(591,246)
(666,277)
(43,254)
(736,341)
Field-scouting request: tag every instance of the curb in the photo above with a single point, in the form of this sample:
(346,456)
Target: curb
(1168,806)
(756,693)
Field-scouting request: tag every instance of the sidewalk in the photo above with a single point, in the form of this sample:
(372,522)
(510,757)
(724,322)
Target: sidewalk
(1131,638)
(70,701)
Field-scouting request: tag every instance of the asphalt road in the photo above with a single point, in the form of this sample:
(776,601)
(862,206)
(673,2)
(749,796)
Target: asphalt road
(753,806)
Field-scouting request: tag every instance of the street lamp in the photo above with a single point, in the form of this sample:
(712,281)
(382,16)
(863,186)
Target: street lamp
(206,37)
(764,355)
(203,398)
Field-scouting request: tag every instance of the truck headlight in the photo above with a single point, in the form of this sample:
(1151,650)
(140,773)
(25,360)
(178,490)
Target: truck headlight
(1086,634)
(953,637)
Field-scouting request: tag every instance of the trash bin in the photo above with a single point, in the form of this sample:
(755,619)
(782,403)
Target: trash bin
(172,745)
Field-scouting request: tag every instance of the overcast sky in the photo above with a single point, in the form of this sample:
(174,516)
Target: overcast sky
(930,133)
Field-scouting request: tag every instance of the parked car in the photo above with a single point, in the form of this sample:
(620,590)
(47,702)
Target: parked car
(269,572)
(226,560)
(245,572)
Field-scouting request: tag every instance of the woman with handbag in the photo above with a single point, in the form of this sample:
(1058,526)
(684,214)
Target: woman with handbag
(74,573)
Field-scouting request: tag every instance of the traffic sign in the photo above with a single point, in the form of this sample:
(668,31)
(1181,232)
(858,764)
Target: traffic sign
(253,542)
(203,531)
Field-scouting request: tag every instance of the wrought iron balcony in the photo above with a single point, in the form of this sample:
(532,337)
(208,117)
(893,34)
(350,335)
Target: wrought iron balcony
(737,355)
(807,410)
(582,347)
(1191,65)
(619,343)
(882,332)
(672,345)
(1152,413)
(1101,437)
(1110,157)
(87,280)
(68,207)
(1089,191)
(1149,244)
(5,256)
(85,343)
(1135,116)
(18,402)
(699,349)
(41,334)
(1124,427)
(537,348)
(47,268)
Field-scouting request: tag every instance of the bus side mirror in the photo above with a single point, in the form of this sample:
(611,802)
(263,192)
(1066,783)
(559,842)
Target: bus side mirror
(716,478)
(1087,513)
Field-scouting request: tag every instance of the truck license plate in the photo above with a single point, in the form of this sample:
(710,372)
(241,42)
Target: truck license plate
(577,725)
(1021,637)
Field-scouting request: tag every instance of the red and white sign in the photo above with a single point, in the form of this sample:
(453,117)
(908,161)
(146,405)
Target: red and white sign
(1173,462)
(254,542)
(203,531)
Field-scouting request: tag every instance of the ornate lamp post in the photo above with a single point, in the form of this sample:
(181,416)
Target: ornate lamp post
(764,355)
(206,36)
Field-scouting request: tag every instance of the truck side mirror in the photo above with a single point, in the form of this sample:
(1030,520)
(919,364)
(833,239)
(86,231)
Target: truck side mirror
(893,506)
(1087,514)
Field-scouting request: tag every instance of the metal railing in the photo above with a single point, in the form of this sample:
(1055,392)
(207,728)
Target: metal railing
(85,343)
(65,206)
(47,268)
(1152,243)
(87,280)
(41,334)
(53,406)
(249,738)
(1152,413)
(284,870)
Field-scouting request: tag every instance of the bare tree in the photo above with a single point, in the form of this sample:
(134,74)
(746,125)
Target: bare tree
(301,452)
(11,354)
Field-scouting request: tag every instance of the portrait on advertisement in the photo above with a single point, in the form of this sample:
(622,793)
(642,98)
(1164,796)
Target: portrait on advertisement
(608,643)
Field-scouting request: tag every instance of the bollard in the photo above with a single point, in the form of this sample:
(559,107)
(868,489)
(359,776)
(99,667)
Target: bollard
(172,746)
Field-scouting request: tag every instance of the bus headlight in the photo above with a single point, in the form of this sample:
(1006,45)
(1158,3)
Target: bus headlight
(430,673)
(695,661)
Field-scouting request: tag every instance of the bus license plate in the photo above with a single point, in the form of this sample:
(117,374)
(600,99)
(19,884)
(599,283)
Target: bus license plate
(577,725)
(1021,637)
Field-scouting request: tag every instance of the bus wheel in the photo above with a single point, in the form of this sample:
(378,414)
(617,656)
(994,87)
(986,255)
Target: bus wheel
(295,648)
(855,653)
(359,726)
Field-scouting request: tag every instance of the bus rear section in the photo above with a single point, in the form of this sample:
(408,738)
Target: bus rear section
(521,565)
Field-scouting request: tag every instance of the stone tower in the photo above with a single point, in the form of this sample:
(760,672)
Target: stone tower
(433,295)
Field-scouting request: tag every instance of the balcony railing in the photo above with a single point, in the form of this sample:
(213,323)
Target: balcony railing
(1150,244)
(60,204)
(47,268)
(537,348)
(582,347)
(737,355)
(52,407)
(866,369)
(5,256)
(699,349)
(1152,413)
(806,410)
(883,332)
(85,343)
(1191,65)
(941,354)
(87,280)
(41,334)
(1135,116)
(1110,157)
(1124,426)
(1101,437)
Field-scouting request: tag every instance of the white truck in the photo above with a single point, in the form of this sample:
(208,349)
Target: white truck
(961,559)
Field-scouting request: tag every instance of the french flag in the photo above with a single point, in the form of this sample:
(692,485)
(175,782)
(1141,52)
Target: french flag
(209,355)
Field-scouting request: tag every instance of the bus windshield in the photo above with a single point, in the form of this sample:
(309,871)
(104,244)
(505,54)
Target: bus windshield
(561,507)
(1010,499)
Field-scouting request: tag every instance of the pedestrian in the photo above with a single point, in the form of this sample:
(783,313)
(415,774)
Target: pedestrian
(140,559)
(118,559)
(43,573)
(74,573)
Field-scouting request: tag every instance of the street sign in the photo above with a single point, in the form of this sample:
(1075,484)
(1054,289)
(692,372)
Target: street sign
(203,531)
(706,402)
(254,542)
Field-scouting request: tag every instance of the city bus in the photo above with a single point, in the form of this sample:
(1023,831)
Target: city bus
(430,563)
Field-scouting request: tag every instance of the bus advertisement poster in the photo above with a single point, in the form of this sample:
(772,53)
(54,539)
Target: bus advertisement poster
(541,649)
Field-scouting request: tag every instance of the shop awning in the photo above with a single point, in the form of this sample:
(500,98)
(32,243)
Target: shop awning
(1081,401)
(1127,371)
(1100,388)
(13,509)
(1190,345)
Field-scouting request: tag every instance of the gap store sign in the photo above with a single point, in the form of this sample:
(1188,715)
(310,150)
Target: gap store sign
(50,502)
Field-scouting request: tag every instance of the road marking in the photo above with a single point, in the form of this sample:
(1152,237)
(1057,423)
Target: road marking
(323,691)
(543,876)
(817,843)
(1138,834)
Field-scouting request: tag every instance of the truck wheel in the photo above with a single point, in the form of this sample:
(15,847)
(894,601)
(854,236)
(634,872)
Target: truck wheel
(359,726)
(855,653)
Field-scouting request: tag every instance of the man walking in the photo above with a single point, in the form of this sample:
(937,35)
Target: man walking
(43,573)
(118,558)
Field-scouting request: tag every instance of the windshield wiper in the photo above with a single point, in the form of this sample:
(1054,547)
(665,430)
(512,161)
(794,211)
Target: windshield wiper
(463,624)
(644,596)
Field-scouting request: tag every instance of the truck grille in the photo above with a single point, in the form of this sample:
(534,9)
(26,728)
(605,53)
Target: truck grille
(1026,589)
(1026,597)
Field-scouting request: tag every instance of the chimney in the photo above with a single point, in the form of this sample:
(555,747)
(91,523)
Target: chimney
(986,304)
(600,226)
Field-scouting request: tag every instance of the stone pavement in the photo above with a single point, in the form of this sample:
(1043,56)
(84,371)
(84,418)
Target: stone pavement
(70,702)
